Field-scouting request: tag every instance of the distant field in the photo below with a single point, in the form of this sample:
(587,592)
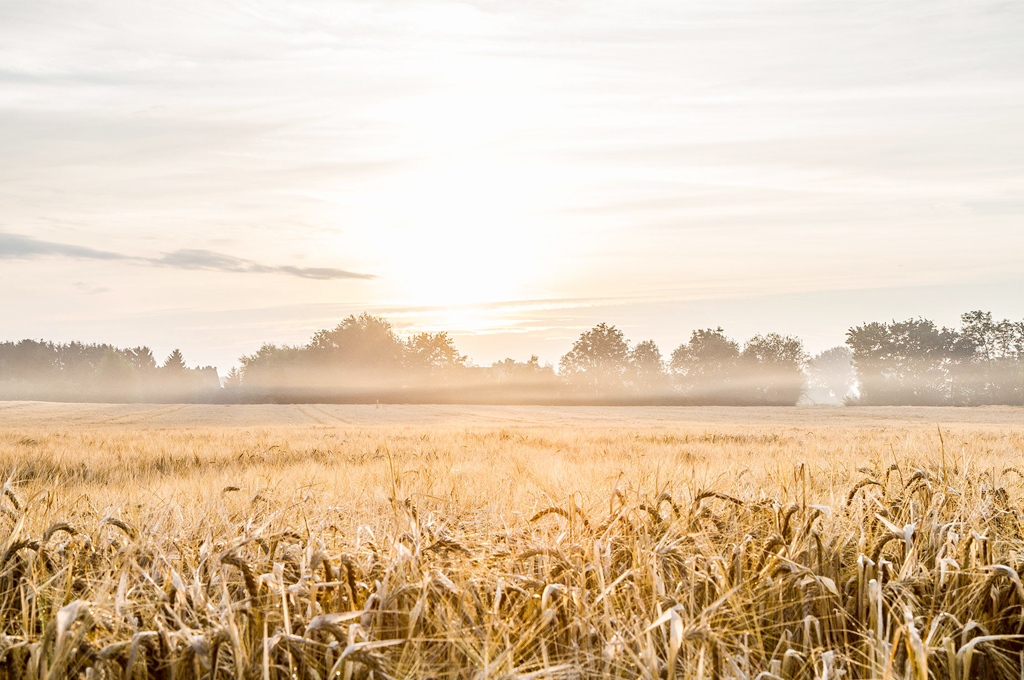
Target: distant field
(47,414)
(315,541)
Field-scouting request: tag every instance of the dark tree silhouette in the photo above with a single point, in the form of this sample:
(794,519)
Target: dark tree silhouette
(707,366)
(29,360)
(773,367)
(597,360)
(233,379)
(902,362)
(175,362)
(362,353)
(142,358)
(531,371)
(899,362)
(647,368)
(363,342)
(987,362)
(916,362)
(992,340)
(272,366)
(433,352)
(708,354)
(80,371)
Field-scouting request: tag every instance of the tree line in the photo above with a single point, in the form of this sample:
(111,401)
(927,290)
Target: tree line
(76,371)
(363,359)
(916,362)
(710,368)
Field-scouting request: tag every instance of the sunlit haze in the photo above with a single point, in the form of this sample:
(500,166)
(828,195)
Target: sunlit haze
(215,175)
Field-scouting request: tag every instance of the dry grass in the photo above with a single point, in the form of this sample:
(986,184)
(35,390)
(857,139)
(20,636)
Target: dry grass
(598,547)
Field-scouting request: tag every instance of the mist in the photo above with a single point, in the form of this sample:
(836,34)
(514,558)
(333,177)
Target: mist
(364,360)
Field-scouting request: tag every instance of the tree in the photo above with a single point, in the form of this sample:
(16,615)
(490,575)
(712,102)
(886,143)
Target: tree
(902,362)
(434,352)
(916,362)
(142,358)
(86,371)
(646,367)
(773,367)
(29,360)
(511,371)
(112,367)
(597,360)
(987,366)
(706,366)
(233,379)
(708,354)
(175,362)
(273,366)
(831,371)
(363,343)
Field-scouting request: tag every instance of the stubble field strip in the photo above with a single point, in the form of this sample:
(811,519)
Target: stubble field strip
(47,414)
(628,548)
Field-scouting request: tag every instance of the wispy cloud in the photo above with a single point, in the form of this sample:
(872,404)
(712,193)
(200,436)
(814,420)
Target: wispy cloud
(210,260)
(89,289)
(16,247)
(19,247)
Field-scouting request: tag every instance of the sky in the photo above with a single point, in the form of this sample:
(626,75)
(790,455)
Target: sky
(215,175)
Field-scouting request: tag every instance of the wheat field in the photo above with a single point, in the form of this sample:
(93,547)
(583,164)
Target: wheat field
(510,542)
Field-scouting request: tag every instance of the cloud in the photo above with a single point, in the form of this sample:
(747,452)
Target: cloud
(322,273)
(18,247)
(205,259)
(210,260)
(90,289)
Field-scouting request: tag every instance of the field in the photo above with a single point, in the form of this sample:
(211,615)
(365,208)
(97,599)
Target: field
(510,542)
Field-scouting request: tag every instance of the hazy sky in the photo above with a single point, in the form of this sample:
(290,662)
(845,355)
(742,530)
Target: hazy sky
(212,175)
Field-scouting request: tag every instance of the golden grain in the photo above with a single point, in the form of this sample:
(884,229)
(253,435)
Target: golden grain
(584,547)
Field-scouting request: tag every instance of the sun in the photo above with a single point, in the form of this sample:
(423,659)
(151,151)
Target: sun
(456,232)
(464,237)
(463,220)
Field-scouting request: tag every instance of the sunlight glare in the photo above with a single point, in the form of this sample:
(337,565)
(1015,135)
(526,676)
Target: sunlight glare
(465,225)
(462,235)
